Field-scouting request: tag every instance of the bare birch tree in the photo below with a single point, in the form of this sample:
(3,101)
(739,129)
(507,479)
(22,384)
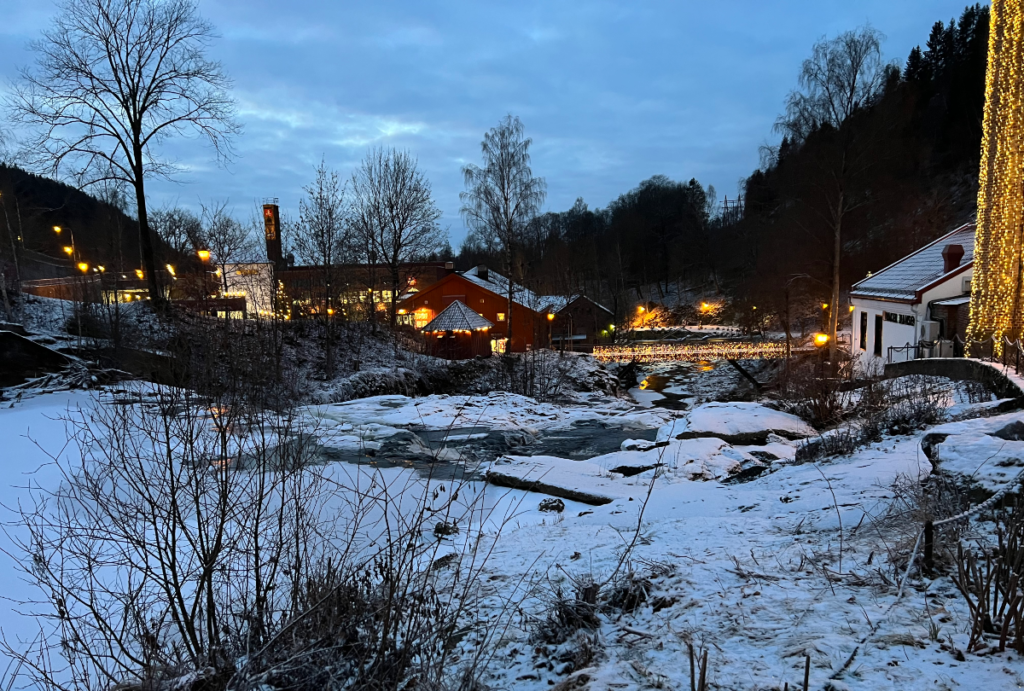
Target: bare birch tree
(321,240)
(843,75)
(503,196)
(395,213)
(114,79)
(227,240)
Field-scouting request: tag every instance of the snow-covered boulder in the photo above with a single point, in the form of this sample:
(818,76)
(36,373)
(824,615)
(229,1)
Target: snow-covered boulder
(737,423)
(574,480)
(988,451)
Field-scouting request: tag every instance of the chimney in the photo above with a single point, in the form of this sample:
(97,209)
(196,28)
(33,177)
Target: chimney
(449,267)
(272,230)
(951,256)
(481,272)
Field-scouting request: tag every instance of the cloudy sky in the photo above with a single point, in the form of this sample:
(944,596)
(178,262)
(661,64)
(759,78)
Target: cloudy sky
(611,92)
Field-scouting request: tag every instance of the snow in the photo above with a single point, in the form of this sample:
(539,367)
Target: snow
(497,411)
(752,570)
(972,449)
(735,420)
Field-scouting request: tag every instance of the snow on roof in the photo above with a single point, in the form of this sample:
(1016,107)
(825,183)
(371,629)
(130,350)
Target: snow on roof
(498,284)
(457,317)
(557,303)
(902,280)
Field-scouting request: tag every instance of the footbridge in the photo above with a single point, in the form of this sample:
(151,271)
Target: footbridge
(701,351)
(998,364)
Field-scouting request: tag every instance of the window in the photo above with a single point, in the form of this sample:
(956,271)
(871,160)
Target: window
(501,316)
(878,335)
(863,330)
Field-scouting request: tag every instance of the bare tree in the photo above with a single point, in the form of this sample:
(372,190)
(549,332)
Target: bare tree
(503,196)
(115,78)
(843,75)
(227,240)
(394,211)
(321,240)
(181,229)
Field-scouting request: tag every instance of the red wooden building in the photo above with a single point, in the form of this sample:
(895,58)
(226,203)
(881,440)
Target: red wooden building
(485,293)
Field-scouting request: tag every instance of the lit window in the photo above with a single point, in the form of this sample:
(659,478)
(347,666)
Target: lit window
(501,316)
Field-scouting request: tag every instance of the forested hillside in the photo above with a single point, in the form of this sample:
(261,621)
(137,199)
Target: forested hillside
(30,207)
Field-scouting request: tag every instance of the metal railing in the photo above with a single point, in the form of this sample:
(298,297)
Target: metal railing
(1003,351)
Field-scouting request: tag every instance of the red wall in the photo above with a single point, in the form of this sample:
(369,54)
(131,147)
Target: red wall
(527,325)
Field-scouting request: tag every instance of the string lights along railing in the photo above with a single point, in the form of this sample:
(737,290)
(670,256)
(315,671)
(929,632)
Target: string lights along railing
(691,352)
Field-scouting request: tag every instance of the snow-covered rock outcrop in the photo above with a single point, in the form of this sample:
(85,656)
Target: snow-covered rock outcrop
(737,423)
(988,451)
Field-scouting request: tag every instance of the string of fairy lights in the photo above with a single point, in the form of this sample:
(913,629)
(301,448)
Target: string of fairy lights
(691,352)
(996,307)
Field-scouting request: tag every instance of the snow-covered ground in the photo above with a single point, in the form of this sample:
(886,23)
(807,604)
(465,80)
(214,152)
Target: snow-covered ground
(787,562)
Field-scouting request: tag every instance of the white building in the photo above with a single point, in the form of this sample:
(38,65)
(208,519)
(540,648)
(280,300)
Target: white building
(255,282)
(923,297)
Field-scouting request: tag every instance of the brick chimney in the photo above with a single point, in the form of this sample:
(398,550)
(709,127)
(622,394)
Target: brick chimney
(951,256)
(481,271)
(272,231)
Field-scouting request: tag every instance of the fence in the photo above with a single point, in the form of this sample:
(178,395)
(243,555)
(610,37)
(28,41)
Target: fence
(1009,354)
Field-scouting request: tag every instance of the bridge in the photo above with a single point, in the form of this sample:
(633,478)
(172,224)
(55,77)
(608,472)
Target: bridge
(703,351)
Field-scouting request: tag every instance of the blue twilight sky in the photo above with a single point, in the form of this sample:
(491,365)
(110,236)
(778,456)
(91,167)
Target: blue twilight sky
(611,92)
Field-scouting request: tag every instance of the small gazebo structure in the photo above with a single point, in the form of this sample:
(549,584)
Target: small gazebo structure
(458,333)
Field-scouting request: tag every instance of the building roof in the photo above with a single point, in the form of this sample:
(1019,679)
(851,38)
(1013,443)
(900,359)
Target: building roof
(557,303)
(457,317)
(498,284)
(905,279)
(953,302)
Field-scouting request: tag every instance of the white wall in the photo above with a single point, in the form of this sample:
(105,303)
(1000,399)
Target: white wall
(256,282)
(893,334)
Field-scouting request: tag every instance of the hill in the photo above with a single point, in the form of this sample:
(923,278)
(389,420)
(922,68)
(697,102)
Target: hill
(32,205)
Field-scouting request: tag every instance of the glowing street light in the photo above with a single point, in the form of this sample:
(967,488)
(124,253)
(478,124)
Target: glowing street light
(83,267)
(68,250)
(551,316)
(57,229)
(820,339)
(204,254)
(170,270)
(138,272)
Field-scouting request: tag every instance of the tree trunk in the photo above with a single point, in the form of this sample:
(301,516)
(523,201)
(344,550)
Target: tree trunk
(510,260)
(145,239)
(833,317)
(14,247)
(394,295)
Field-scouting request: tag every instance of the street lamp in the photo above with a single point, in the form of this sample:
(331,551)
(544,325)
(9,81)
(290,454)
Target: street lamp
(83,267)
(204,254)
